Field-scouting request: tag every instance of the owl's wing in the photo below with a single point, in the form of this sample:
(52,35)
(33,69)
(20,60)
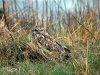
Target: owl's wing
(49,43)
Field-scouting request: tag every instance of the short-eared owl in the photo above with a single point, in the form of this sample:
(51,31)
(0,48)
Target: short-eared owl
(46,41)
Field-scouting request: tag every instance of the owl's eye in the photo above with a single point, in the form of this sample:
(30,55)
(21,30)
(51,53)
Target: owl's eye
(35,30)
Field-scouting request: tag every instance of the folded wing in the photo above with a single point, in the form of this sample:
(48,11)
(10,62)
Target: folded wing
(50,44)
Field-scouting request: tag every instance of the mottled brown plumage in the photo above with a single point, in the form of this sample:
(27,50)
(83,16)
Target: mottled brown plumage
(45,40)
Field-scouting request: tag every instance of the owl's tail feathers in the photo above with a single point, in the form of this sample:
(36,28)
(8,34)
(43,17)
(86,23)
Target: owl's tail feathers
(67,50)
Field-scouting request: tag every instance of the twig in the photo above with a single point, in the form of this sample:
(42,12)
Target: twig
(87,59)
(3,1)
(84,27)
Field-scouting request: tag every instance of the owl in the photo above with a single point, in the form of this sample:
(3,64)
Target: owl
(44,40)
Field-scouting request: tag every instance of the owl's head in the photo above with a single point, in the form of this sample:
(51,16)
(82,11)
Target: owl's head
(34,31)
(37,30)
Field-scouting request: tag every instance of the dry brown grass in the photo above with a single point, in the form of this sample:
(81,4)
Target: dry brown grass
(82,36)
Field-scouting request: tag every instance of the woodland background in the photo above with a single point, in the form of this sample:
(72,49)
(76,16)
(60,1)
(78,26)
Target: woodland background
(77,28)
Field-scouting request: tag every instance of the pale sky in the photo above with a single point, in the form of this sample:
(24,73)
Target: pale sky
(69,3)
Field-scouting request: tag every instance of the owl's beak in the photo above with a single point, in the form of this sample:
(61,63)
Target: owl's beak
(33,31)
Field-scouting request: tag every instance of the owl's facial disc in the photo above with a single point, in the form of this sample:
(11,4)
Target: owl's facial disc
(34,31)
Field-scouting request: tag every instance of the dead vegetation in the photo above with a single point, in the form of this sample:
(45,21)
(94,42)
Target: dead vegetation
(80,33)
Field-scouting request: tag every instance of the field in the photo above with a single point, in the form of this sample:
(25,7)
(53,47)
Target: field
(19,55)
